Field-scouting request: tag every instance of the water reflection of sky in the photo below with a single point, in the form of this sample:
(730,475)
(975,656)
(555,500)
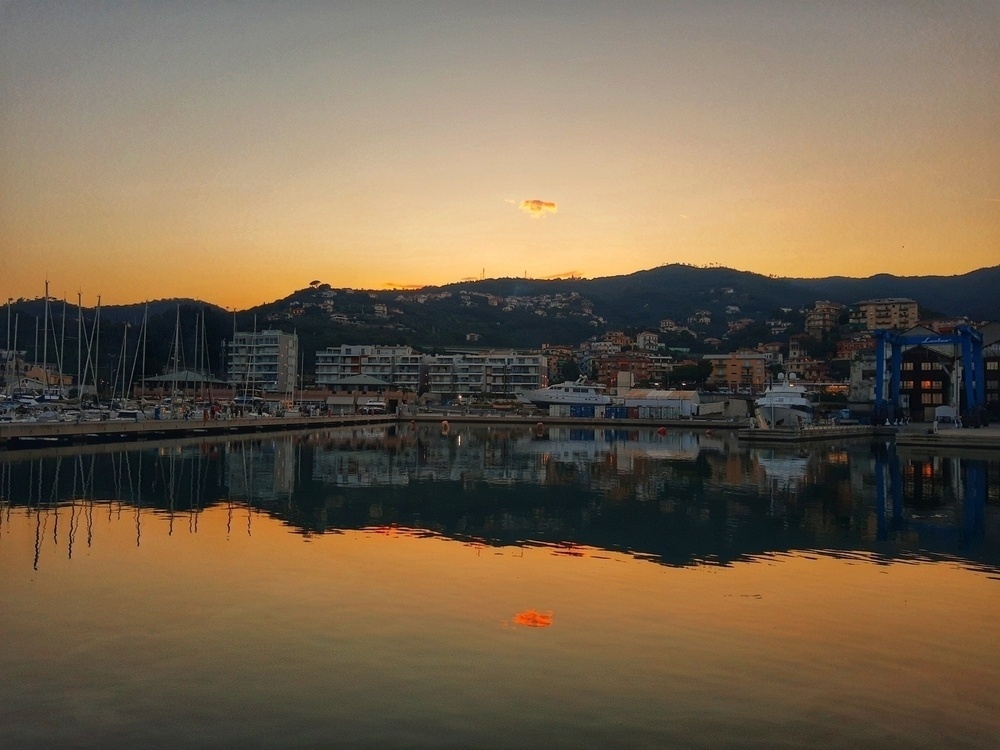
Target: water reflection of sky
(154,632)
(680,498)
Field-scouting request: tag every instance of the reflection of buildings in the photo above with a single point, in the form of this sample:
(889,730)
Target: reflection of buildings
(265,360)
(261,470)
(678,498)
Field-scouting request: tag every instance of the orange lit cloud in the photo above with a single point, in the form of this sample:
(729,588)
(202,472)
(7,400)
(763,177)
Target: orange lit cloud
(538,208)
(563,275)
(401,287)
(532,619)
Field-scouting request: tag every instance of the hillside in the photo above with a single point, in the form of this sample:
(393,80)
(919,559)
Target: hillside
(516,312)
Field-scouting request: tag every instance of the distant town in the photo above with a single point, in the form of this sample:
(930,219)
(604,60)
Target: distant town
(931,366)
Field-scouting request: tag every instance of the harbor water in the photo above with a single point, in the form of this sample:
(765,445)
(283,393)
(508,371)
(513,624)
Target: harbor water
(499,586)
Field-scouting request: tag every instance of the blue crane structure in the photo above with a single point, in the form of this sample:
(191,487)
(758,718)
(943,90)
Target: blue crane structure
(970,343)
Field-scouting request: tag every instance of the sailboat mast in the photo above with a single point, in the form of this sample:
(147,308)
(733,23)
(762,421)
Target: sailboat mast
(177,349)
(17,318)
(121,367)
(45,343)
(7,353)
(61,354)
(79,347)
(145,335)
(97,349)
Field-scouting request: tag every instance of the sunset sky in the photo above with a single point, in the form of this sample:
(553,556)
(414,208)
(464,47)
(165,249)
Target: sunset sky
(233,152)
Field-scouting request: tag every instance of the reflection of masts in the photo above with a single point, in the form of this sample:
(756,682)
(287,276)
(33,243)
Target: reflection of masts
(248,482)
(138,502)
(38,515)
(172,484)
(54,502)
(73,519)
(197,481)
(4,488)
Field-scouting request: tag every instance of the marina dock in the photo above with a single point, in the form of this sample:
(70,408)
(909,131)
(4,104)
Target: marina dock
(39,434)
(813,433)
(18,435)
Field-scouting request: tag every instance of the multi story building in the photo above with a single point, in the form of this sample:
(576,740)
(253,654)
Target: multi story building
(619,337)
(502,373)
(823,317)
(647,341)
(798,346)
(660,367)
(855,346)
(927,381)
(399,365)
(991,365)
(264,360)
(773,350)
(556,356)
(890,313)
(608,366)
(741,371)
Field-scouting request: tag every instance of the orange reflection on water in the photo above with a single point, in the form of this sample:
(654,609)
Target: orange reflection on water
(532,619)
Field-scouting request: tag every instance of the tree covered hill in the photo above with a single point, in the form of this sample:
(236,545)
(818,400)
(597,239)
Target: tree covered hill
(508,312)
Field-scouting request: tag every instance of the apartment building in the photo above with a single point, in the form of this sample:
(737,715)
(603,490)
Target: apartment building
(500,373)
(400,365)
(264,360)
(608,367)
(742,371)
(889,313)
(823,317)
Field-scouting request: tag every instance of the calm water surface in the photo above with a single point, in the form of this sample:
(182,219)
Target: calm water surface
(498,587)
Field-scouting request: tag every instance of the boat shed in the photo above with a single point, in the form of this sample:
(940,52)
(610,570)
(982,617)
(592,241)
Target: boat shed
(654,404)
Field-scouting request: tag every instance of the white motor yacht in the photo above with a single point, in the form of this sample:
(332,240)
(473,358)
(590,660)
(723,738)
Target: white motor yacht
(785,404)
(577,392)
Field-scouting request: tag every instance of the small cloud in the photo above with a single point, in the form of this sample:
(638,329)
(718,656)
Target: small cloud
(563,275)
(469,278)
(538,208)
(401,287)
(684,216)
(532,619)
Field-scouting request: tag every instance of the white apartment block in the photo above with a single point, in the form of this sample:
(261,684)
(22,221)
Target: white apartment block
(264,360)
(467,374)
(493,373)
(399,365)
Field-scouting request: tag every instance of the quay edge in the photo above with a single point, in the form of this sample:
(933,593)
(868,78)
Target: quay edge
(15,435)
(19,435)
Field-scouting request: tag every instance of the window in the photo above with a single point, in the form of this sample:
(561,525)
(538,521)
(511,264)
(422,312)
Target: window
(907,365)
(927,385)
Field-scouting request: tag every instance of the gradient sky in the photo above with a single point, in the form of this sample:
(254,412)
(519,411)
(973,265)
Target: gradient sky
(234,152)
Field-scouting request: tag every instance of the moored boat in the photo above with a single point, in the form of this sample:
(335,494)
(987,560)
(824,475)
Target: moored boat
(785,404)
(573,392)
